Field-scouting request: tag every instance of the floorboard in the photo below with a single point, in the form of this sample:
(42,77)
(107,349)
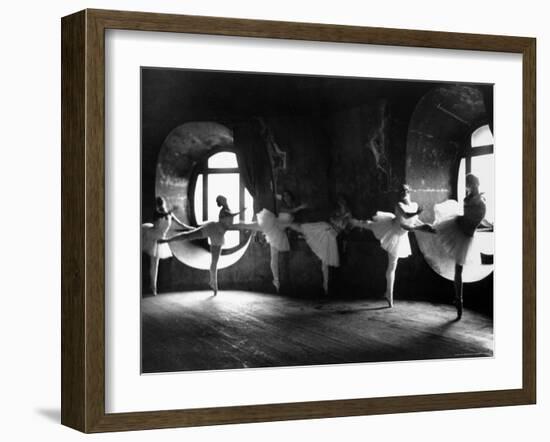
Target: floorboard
(236,329)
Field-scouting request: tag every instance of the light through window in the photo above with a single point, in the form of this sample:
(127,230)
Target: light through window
(479,160)
(482,137)
(221,176)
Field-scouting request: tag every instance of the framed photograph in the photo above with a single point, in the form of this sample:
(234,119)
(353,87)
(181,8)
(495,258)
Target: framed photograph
(269,220)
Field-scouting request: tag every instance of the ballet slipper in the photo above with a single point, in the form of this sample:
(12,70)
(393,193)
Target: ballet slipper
(459,309)
(214,287)
(430,229)
(427,228)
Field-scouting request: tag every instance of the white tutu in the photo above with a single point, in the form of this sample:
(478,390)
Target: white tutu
(150,233)
(273,228)
(393,238)
(461,248)
(215,231)
(321,238)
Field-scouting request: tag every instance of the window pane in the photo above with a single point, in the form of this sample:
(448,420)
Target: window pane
(461,185)
(482,137)
(198,200)
(226,184)
(483,167)
(223,160)
(232,239)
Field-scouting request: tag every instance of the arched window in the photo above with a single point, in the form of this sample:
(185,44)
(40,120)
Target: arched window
(478,159)
(219,175)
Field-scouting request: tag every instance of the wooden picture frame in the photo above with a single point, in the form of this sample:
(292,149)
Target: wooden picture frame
(83,220)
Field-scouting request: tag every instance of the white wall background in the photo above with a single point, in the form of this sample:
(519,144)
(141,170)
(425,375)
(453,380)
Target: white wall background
(30,186)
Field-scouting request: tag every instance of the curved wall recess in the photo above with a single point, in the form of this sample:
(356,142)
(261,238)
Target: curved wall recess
(439,131)
(184,147)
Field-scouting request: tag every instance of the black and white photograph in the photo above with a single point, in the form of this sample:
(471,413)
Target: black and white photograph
(302,220)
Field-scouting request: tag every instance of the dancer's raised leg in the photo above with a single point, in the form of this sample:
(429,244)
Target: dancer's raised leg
(361,224)
(296,227)
(189,235)
(254,227)
(428,228)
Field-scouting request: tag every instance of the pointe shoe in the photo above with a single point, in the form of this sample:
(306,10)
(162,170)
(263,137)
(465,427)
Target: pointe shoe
(429,228)
(276,284)
(459,311)
(389,301)
(213,287)
(154,290)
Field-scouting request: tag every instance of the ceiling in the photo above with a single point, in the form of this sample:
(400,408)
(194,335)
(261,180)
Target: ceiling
(228,95)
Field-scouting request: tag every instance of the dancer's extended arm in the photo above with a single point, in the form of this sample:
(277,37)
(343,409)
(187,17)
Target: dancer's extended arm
(296,209)
(236,213)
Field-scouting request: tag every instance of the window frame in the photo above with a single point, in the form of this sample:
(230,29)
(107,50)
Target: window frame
(477,151)
(201,167)
(467,153)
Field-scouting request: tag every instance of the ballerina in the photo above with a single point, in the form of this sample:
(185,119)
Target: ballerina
(456,232)
(274,229)
(215,231)
(392,229)
(152,232)
(322,237)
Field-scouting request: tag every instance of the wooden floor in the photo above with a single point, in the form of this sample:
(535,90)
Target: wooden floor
(195,331)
